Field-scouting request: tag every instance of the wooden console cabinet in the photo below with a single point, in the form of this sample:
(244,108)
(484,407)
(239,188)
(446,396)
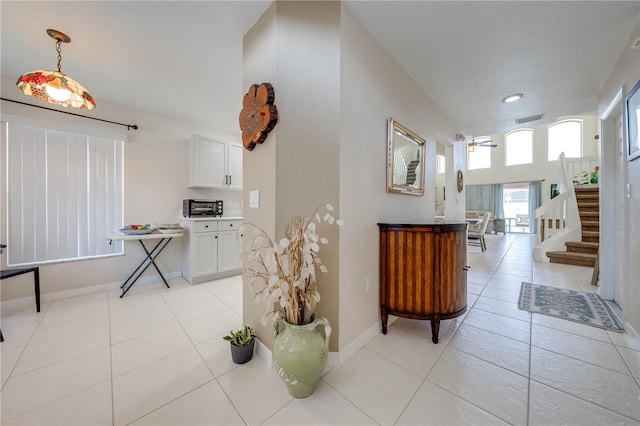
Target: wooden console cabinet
(423,272)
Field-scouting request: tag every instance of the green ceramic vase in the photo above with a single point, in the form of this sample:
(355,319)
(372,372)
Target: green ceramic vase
(300,355)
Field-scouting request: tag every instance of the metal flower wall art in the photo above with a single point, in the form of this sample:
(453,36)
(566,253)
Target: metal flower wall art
(258,115)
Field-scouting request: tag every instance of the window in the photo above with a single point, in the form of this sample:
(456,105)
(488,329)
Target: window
(440,163)
(480,158)
(519,147)
(565,136)
(64,194)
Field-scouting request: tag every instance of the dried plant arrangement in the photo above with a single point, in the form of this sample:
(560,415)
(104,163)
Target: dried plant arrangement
(283,269)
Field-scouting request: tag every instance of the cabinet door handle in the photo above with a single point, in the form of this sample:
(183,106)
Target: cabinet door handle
(229,179)
(466,268)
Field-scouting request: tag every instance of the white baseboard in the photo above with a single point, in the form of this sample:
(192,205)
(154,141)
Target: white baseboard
(264,353)
(630,330)
(335,358)
(359,342)
(65,294)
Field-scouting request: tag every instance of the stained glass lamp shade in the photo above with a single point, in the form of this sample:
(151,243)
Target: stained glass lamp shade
(54,86)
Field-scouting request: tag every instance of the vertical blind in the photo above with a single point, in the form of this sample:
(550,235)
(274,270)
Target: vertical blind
(64,194)
(485,198)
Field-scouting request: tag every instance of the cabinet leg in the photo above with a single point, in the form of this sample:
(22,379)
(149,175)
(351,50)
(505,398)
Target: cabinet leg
(385,319)
(435,329)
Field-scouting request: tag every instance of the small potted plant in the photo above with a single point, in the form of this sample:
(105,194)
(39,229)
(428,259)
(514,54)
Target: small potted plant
(242,342)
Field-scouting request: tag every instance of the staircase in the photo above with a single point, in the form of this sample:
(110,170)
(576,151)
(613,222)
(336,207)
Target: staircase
(583,253)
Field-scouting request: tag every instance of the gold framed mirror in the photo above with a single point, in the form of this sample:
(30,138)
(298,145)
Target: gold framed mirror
(405,160)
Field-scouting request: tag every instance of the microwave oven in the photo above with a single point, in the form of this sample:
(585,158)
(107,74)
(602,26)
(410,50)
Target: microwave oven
(199,208)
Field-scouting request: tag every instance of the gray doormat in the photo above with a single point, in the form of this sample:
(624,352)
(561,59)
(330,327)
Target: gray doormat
(578,306)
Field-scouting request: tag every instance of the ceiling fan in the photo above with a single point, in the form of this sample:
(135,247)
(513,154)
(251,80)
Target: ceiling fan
(481,141)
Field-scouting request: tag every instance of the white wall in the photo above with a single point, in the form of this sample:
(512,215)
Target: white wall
(295,46)
(625,74)
(330,145)
(541,168)
(373,88)
(155,185)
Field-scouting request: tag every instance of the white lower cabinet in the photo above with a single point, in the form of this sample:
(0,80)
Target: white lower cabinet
(206,253)
(229,245)
(210,249)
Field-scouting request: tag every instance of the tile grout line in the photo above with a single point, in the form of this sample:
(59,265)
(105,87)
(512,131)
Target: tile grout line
(26,345)
(195,348)
(529,368)
(424,379)
(166,356)
(457,328)
(113,405)
(61,361)
(216,378)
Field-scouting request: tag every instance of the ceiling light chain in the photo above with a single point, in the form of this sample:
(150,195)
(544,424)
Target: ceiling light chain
(59,50)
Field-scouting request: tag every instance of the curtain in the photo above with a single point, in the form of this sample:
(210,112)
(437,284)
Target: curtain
(498,200)
(486,198)
(535,199)
(479,197)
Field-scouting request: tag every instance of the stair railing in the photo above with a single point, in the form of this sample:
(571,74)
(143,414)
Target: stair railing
(557,215)
(576,168)
(559,219)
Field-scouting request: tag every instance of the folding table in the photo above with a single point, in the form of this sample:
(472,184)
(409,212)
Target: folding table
(150,255)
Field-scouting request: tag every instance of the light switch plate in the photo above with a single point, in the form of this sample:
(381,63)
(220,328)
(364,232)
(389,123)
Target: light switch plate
(254,199)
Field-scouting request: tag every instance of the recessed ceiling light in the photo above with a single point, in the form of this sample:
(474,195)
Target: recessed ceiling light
(512,98)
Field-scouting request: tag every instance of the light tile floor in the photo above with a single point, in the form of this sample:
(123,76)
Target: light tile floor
(156,357)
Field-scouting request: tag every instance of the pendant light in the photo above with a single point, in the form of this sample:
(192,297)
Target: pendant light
(54,86)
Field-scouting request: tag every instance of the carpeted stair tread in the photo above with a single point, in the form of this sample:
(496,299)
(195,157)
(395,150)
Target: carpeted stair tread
(571,258)
(588,198)
(583,189)
(589,206)
(589,225)
(583,253)
(591,220)
(591,236)
(592,215)
(582,247)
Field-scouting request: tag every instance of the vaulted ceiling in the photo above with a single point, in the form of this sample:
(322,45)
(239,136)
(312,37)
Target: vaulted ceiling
(184,59)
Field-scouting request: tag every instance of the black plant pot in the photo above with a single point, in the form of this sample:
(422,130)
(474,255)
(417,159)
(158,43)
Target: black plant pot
(242,354)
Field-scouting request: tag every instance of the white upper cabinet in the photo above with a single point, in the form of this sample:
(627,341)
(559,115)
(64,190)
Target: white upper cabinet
(234,165)
(214,164)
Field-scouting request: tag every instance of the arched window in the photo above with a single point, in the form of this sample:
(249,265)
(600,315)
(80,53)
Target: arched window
(519,147)
(565,136)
